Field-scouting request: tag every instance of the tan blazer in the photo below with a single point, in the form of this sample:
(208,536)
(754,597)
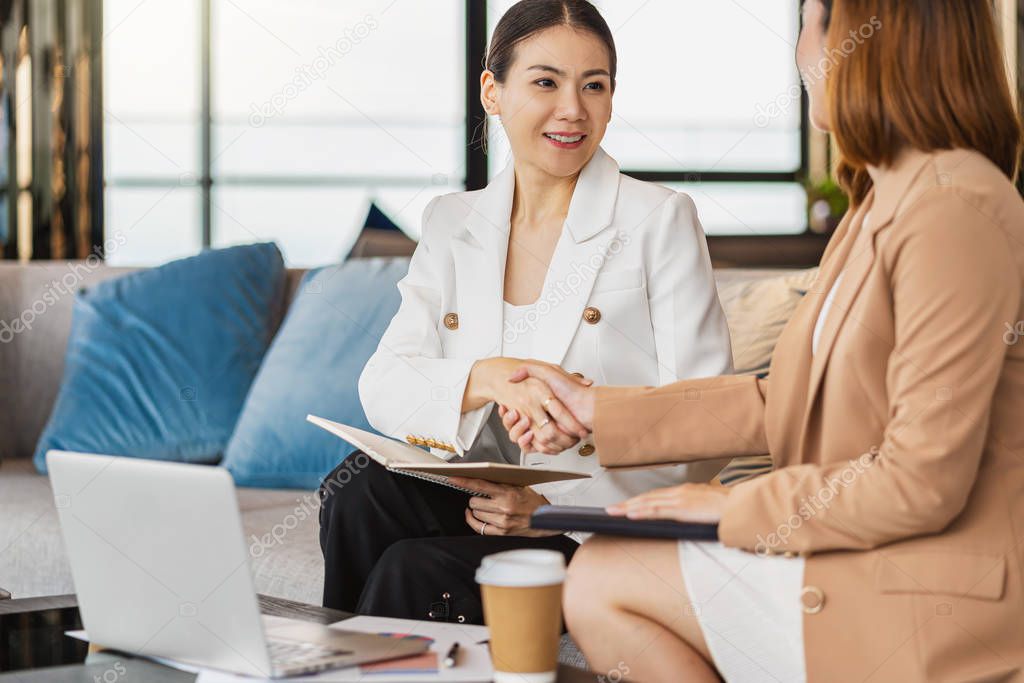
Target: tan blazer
(898,446)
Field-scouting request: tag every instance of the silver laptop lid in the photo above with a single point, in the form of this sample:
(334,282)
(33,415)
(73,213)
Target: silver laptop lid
(158,559)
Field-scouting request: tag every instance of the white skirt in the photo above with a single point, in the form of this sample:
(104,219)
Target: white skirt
(749,610)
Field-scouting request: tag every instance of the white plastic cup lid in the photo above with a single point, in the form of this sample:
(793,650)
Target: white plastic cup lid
(522,568)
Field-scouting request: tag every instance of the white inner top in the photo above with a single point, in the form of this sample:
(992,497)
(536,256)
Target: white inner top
(825,307)
(517,330)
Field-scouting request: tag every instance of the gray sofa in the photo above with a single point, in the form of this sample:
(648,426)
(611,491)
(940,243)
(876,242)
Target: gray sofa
(32,557)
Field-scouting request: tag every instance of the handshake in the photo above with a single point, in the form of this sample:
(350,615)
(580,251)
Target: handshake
(544,408)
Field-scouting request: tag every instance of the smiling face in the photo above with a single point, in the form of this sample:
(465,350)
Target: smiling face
(556,101)
(811,55)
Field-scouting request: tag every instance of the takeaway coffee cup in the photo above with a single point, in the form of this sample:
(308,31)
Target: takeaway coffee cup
(522,596)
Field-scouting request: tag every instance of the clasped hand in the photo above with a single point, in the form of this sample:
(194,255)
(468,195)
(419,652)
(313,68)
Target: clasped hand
(539,404)
(567,407)
(536,399)
(688,502)
(572,397)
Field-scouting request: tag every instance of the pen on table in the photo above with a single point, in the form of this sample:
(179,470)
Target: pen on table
(449,659)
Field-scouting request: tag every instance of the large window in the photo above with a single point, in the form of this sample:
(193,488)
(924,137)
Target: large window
(319,107)
(311,110)
(151,102)
(231,121)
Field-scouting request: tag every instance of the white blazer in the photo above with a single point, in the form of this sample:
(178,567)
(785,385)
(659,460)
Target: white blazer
(629,299)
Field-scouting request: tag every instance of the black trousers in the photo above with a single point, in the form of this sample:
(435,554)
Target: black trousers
(398,546)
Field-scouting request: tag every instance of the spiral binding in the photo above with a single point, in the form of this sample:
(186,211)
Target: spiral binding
(438,479)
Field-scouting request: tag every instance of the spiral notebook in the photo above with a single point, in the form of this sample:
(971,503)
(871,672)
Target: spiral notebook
(409,460)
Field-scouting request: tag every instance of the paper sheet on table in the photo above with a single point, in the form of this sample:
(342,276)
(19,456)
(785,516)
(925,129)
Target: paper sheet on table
(472,665)
(181,666)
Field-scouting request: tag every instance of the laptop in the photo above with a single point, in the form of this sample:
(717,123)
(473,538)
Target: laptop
(161,569)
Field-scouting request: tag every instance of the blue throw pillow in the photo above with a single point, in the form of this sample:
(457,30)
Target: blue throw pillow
(159,361)
(313,366)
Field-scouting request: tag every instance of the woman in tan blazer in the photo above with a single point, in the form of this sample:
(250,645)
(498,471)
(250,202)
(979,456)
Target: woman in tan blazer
(888,543)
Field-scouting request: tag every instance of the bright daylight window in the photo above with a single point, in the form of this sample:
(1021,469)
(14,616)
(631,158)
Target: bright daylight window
(316,108)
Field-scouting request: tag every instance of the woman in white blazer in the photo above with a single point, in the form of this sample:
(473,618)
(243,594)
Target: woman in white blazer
(560,259)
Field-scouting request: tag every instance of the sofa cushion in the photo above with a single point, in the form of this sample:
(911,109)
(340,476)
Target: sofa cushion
(280,531)
(33,561)
(158,362)
(332,328)
(757,311)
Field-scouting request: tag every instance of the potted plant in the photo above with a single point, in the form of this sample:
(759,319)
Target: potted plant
(826,205)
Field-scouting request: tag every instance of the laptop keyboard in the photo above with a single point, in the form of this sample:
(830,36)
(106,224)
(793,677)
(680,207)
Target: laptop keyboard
(289,653)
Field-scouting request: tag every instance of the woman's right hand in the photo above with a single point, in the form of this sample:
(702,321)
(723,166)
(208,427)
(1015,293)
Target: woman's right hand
(515,424)
(544,419)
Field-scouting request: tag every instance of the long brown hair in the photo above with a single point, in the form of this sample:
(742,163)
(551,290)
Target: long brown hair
(931,77)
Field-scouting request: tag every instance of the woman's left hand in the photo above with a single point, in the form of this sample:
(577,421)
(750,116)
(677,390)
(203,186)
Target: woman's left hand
(507,511)
(701,503)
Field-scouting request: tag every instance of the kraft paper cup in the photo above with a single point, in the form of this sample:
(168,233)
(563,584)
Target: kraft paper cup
(522,599)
